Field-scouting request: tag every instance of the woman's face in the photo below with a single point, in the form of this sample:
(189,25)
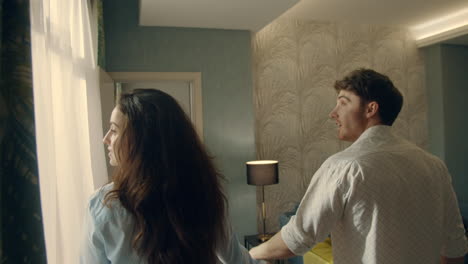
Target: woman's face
(113,135)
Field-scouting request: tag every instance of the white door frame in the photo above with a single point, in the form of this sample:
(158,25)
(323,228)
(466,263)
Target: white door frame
(194,78)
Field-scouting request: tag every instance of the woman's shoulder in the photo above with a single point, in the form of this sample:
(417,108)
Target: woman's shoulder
(101,211)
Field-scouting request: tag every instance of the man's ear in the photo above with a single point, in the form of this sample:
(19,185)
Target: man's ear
(372,109)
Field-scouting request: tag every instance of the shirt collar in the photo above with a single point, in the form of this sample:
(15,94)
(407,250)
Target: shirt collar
(378,132)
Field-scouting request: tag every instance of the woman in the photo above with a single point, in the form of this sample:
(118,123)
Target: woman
(165,204)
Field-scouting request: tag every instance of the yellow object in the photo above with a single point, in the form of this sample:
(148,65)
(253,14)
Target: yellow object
(320,254)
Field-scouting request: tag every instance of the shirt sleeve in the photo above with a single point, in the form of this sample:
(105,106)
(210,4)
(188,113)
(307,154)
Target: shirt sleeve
(93,247)
(232,252)
(455,244)
(321,207)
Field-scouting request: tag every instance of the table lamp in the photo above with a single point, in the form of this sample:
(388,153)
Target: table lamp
(261,173)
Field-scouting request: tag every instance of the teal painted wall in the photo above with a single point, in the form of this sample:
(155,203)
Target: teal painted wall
(455,80)
(224,58)
(433,59)
(447,82)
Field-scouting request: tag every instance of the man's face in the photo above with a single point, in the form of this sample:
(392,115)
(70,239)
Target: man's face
(349,115)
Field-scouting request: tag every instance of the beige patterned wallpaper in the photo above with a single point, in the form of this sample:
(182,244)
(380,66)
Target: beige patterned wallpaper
(295,66)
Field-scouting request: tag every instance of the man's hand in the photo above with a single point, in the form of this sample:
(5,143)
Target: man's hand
(257,253)
(275,248)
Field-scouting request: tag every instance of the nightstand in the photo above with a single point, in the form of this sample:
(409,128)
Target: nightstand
(253,241)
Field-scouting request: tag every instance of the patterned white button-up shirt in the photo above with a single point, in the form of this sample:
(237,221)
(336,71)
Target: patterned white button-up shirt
(383,200)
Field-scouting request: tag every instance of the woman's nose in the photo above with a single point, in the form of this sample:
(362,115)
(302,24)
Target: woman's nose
(105,140)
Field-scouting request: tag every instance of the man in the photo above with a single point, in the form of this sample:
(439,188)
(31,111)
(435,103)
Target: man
(383,199)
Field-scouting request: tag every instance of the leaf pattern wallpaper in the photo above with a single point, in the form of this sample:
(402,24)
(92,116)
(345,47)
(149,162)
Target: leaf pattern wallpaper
(295,65)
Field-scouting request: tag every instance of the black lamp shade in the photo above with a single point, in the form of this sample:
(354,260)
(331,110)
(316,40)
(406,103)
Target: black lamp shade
(262,172)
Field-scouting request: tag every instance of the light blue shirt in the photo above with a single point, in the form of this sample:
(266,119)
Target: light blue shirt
(108,236)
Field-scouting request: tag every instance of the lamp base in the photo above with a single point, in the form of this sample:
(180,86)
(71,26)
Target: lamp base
(264,237)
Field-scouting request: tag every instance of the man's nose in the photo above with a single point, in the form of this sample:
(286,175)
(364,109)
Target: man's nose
(333,114)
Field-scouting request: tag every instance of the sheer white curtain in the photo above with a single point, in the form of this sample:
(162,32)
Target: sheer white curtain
(68,120)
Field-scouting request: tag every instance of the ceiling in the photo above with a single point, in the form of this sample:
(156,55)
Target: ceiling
(382,12)
(224,14)
(423,17)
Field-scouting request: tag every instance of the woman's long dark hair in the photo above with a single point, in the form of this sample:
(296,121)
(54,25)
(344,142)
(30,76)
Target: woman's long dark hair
(168,182)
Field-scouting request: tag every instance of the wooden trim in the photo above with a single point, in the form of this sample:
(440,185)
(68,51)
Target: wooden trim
(443,36)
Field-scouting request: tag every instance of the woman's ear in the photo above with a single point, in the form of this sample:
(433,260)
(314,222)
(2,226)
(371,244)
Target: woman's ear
(372,109)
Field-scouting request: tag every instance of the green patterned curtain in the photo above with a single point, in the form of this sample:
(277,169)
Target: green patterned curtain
(101,42)
(21,218)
